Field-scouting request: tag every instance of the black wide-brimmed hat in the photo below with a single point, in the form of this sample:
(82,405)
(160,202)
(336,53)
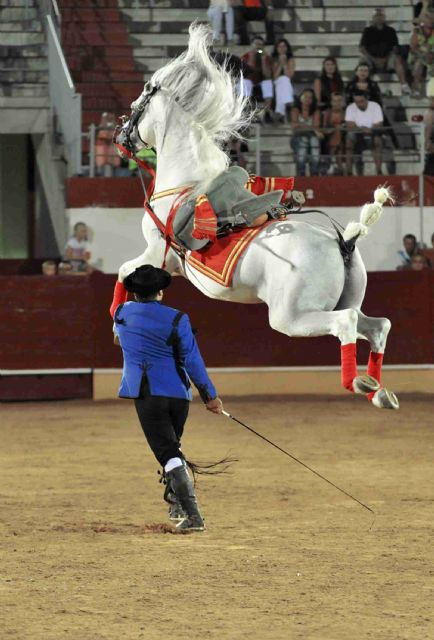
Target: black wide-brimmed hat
(146,280)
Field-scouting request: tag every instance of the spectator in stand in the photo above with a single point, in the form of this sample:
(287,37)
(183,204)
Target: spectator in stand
(419,262)
(283,72)
(107,159)
(232,62)
(49,268)
(428,119)
(420,8)
(76,251)
(257,82)
(65,269)
(329,82)
(236,150)
(253,10)
(217,9)
(363,120)
(379,47)
(421,58)
(334,125)
(362,81)
(410,248)
(306,135)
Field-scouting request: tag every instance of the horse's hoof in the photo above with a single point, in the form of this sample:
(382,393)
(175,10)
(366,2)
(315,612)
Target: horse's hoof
(365,384)
(385,399)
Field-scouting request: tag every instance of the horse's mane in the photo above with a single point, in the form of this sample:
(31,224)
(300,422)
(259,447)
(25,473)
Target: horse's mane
(206,92)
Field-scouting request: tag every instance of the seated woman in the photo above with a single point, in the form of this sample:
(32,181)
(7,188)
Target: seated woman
(362,81)
(283,68)
(306,136)
(334,124)
(329,82)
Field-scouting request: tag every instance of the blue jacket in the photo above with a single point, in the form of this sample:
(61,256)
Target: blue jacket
(158,341)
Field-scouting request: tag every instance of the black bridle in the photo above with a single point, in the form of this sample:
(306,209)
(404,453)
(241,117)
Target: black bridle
(127,134)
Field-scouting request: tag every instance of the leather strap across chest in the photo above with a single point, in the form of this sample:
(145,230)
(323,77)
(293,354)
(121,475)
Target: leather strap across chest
(166,230)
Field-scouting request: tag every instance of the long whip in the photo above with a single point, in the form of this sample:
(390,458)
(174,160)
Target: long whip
(276,446)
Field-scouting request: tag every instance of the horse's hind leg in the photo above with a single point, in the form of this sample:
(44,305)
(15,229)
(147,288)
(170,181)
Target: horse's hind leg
(376,330)
(341,324)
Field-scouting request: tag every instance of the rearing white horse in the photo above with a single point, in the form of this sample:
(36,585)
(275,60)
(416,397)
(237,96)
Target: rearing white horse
(188,110)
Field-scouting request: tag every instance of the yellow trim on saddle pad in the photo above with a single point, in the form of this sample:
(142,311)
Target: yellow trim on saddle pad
(224,278)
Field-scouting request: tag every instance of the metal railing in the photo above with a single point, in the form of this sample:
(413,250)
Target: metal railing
(64,100)
(406,143)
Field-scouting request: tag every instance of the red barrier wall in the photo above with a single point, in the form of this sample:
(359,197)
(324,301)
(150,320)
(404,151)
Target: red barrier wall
(333,191)
(63,322)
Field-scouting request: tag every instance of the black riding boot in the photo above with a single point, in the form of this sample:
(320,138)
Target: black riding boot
(183,487)
(176,512)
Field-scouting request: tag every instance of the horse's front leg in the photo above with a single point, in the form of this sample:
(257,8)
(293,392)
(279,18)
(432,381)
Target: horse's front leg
(154,254)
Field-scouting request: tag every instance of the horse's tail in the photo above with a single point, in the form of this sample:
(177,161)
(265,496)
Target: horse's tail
(369,215)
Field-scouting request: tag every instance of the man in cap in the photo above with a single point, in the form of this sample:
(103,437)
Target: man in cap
(379,47)
(161,355)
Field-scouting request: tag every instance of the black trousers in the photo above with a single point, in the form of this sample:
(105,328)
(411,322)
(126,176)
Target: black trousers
(162,420)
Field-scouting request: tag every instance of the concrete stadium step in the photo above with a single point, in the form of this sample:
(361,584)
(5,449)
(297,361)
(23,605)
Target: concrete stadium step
(26,64)
(298,4)
(358,13)
(304,66)
(157,52)
(23,76)
(281,28)
(24,4)
(159,39)
(14,102)
(361,14)
(12,14)
(23,52)
(89,4)
(296,39)
(21,25)
(344,4)
(25,90)
(21,39)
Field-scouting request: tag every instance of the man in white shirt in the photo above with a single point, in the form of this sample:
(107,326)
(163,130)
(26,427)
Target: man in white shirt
(363,121)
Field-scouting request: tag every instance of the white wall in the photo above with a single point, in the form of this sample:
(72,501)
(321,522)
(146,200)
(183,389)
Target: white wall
(116,234)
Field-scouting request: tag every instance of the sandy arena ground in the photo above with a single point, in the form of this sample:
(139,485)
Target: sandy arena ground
(285,555)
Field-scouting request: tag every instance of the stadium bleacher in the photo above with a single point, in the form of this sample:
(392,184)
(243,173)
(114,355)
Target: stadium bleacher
(112,47)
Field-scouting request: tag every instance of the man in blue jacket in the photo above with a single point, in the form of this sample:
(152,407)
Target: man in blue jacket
(160,357)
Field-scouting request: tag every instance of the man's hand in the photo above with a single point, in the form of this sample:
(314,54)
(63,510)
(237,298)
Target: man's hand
(215,405)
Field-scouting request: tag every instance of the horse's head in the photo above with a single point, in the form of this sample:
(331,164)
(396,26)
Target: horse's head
(198,91)
(138,130)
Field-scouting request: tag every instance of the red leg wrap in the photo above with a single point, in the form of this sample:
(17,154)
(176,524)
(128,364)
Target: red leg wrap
(375,363)
(120,295)
(348,365)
